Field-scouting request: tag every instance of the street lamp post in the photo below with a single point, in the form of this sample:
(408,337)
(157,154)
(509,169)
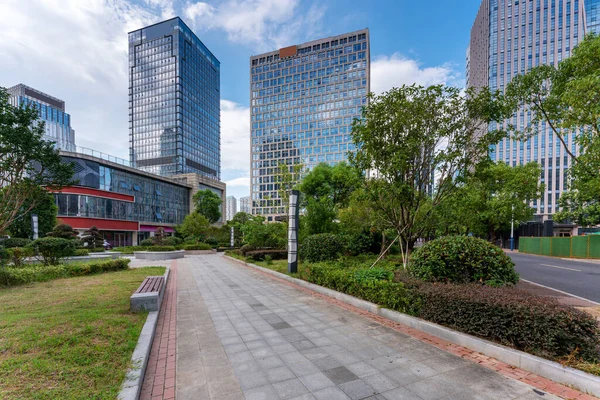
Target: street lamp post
(512,228)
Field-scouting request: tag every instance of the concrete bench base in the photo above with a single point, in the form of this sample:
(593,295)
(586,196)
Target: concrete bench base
(199,252)
(149,295)
(159,255)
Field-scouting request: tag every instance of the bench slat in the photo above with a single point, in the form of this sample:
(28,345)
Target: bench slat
(151,284)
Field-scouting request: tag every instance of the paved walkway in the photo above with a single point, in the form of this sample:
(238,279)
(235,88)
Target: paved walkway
(243,335)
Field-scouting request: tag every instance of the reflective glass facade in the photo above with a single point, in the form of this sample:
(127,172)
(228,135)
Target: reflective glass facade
(592,16)
(174,95)
(303,101)
(51,111)
(156,200)
(509,38)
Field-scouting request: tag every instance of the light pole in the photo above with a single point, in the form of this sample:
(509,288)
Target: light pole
(512,228)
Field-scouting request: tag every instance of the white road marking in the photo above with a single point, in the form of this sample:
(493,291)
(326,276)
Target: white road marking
(555,266)
(560,291)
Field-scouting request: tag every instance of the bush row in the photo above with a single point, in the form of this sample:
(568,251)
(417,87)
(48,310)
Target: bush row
(506,315)
(10,276)
(131,249)
(259,255)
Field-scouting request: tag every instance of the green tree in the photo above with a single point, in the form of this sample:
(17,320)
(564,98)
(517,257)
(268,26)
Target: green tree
(325,190)
(195,225)
(44,207)
(262,235)
(27,161)
(93,238)
(159,236)
(490,198)
(567,99)
(286,179)
(418,142)
(63,231)
(208,203)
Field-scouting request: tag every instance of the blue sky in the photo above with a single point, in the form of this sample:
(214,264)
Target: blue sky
(76,50)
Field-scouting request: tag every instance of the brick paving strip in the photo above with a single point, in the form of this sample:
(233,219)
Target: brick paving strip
(159,380)
(242,334)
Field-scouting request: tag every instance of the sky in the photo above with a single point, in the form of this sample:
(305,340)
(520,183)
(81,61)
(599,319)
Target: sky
(76,50)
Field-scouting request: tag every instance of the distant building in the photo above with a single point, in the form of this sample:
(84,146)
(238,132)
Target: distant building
(51,111)
(304,99)
(245,204)
(174,101)
(508,38)
(231,207)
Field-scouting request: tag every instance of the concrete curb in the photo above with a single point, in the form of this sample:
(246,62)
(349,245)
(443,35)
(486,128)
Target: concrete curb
(158,255)
(132,385)
(580,380)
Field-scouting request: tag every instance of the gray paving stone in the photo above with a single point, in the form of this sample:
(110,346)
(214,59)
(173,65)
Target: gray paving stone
(357,389)
(381,383)
(340,375)
(330,393)
(266,392)
(316,381)
(304,368)
(290,388)
(401,394)
(252,379)
(279,374)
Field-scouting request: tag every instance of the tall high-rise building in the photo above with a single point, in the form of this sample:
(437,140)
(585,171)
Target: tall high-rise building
(303,101)
(509,38)
(231,208)
(174,95)
(592,16)
(51,111)
(245,204)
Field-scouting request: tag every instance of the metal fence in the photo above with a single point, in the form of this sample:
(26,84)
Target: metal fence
(574,247)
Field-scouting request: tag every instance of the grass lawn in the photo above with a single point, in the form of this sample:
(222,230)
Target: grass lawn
(69,338)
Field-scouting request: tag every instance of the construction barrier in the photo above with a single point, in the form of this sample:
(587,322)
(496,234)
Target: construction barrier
(572,247)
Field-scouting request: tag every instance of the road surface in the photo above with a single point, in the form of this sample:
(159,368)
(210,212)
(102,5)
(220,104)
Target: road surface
(579,278)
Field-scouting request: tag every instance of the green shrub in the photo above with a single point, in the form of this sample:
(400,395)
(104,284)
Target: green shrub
(320,247)
(52,249)
(4,256)
(199,246)
(81,252)
(146,242)
(463,259)
(358,243)
(172,241)
(130,249)
(268,259)
(11,276)
(361,284)
(214,242)
(15,242)
(17,255)
(96,250)
(247,248)
(513,317)
(260,255)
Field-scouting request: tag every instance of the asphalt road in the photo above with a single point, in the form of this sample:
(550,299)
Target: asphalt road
(574,277)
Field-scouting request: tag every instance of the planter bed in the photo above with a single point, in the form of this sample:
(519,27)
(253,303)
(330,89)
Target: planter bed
(159,255)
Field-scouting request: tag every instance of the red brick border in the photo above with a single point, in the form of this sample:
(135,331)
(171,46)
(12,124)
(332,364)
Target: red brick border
(159,381)
(507,370)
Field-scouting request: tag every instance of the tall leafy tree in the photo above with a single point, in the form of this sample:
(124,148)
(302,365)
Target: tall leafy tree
(208,203)
(46,210)
(194,225)
(419,141)
(27,161)
(93,238)
(567,99)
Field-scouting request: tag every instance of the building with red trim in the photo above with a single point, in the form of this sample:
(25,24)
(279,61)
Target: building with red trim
(126,204)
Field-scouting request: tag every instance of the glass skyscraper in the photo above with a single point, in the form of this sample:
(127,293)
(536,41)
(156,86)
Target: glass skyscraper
(510,37)
(174,96)
(303,101)
(592,16)
(51,110)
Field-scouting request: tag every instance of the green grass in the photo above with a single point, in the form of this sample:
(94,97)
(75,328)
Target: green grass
(69,338)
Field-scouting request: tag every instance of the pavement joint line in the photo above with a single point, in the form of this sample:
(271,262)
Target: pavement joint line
(500,367)
(556,266)
(561,291)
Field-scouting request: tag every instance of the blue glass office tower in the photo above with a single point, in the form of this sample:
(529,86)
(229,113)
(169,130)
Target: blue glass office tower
(174,95)
(303,101)
(510,37)
(51,110)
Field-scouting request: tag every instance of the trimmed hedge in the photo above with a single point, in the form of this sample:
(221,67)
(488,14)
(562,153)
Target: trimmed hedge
(81,252)
(463,259)
(513,317)
(130,249)
(11,276)
(18,254)
(199,246)
(52,249)
(260,255)
(161,248)
(14,242)
(321,247)
(246,248)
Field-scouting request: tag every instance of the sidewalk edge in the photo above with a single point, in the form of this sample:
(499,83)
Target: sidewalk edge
(554,371)
(132,385)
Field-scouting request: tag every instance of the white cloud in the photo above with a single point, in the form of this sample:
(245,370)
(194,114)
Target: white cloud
(396,70)
(264,24)
(235,136)
(75,50)
(238,182)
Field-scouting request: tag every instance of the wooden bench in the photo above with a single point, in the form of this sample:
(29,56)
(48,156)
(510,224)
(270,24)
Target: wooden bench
(148,296)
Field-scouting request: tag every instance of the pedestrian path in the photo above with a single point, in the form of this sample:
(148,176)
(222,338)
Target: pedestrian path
(243,335)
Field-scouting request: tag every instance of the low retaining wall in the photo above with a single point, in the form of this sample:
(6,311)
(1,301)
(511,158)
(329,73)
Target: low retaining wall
(548,369)
(132,385)
(158,255)
(199,252)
